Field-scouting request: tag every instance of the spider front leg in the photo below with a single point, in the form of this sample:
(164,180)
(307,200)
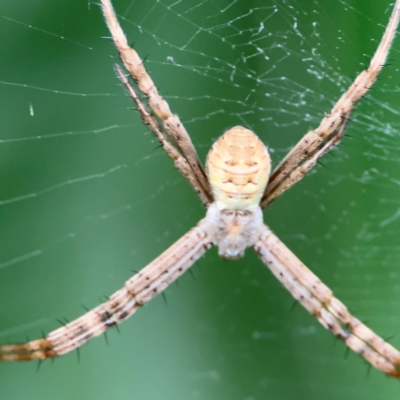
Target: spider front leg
(330,131)
(171,123)
(319,301)
(137,291)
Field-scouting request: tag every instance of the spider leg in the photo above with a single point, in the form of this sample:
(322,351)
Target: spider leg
(332,123)
(308,163)
(137,291)
(170,122)
(319,301)
(180,162)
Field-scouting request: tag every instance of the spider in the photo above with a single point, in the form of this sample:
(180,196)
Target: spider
(234,187)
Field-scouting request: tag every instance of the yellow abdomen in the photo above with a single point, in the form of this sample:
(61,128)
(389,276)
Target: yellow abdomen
(238,167)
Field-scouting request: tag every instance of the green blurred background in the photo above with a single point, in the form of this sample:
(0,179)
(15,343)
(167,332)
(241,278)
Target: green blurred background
(87,197)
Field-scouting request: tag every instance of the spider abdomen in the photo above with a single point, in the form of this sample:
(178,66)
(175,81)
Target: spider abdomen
(238,167)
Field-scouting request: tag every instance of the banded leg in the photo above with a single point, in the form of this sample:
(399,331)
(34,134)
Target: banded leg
(319,301)
(307,165)
(171,123)
(306,147)
(180,162)
(137,291)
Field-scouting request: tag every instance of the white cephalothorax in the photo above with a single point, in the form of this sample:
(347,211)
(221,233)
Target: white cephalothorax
(235,187)
(234,230)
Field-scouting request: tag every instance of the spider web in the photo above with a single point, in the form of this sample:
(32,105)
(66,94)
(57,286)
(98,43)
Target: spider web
(87,196)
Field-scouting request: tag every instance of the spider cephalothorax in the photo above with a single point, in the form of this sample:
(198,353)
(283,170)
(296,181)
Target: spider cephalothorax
(234,230)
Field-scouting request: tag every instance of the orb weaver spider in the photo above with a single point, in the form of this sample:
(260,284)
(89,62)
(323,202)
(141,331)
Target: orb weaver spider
(234,187)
